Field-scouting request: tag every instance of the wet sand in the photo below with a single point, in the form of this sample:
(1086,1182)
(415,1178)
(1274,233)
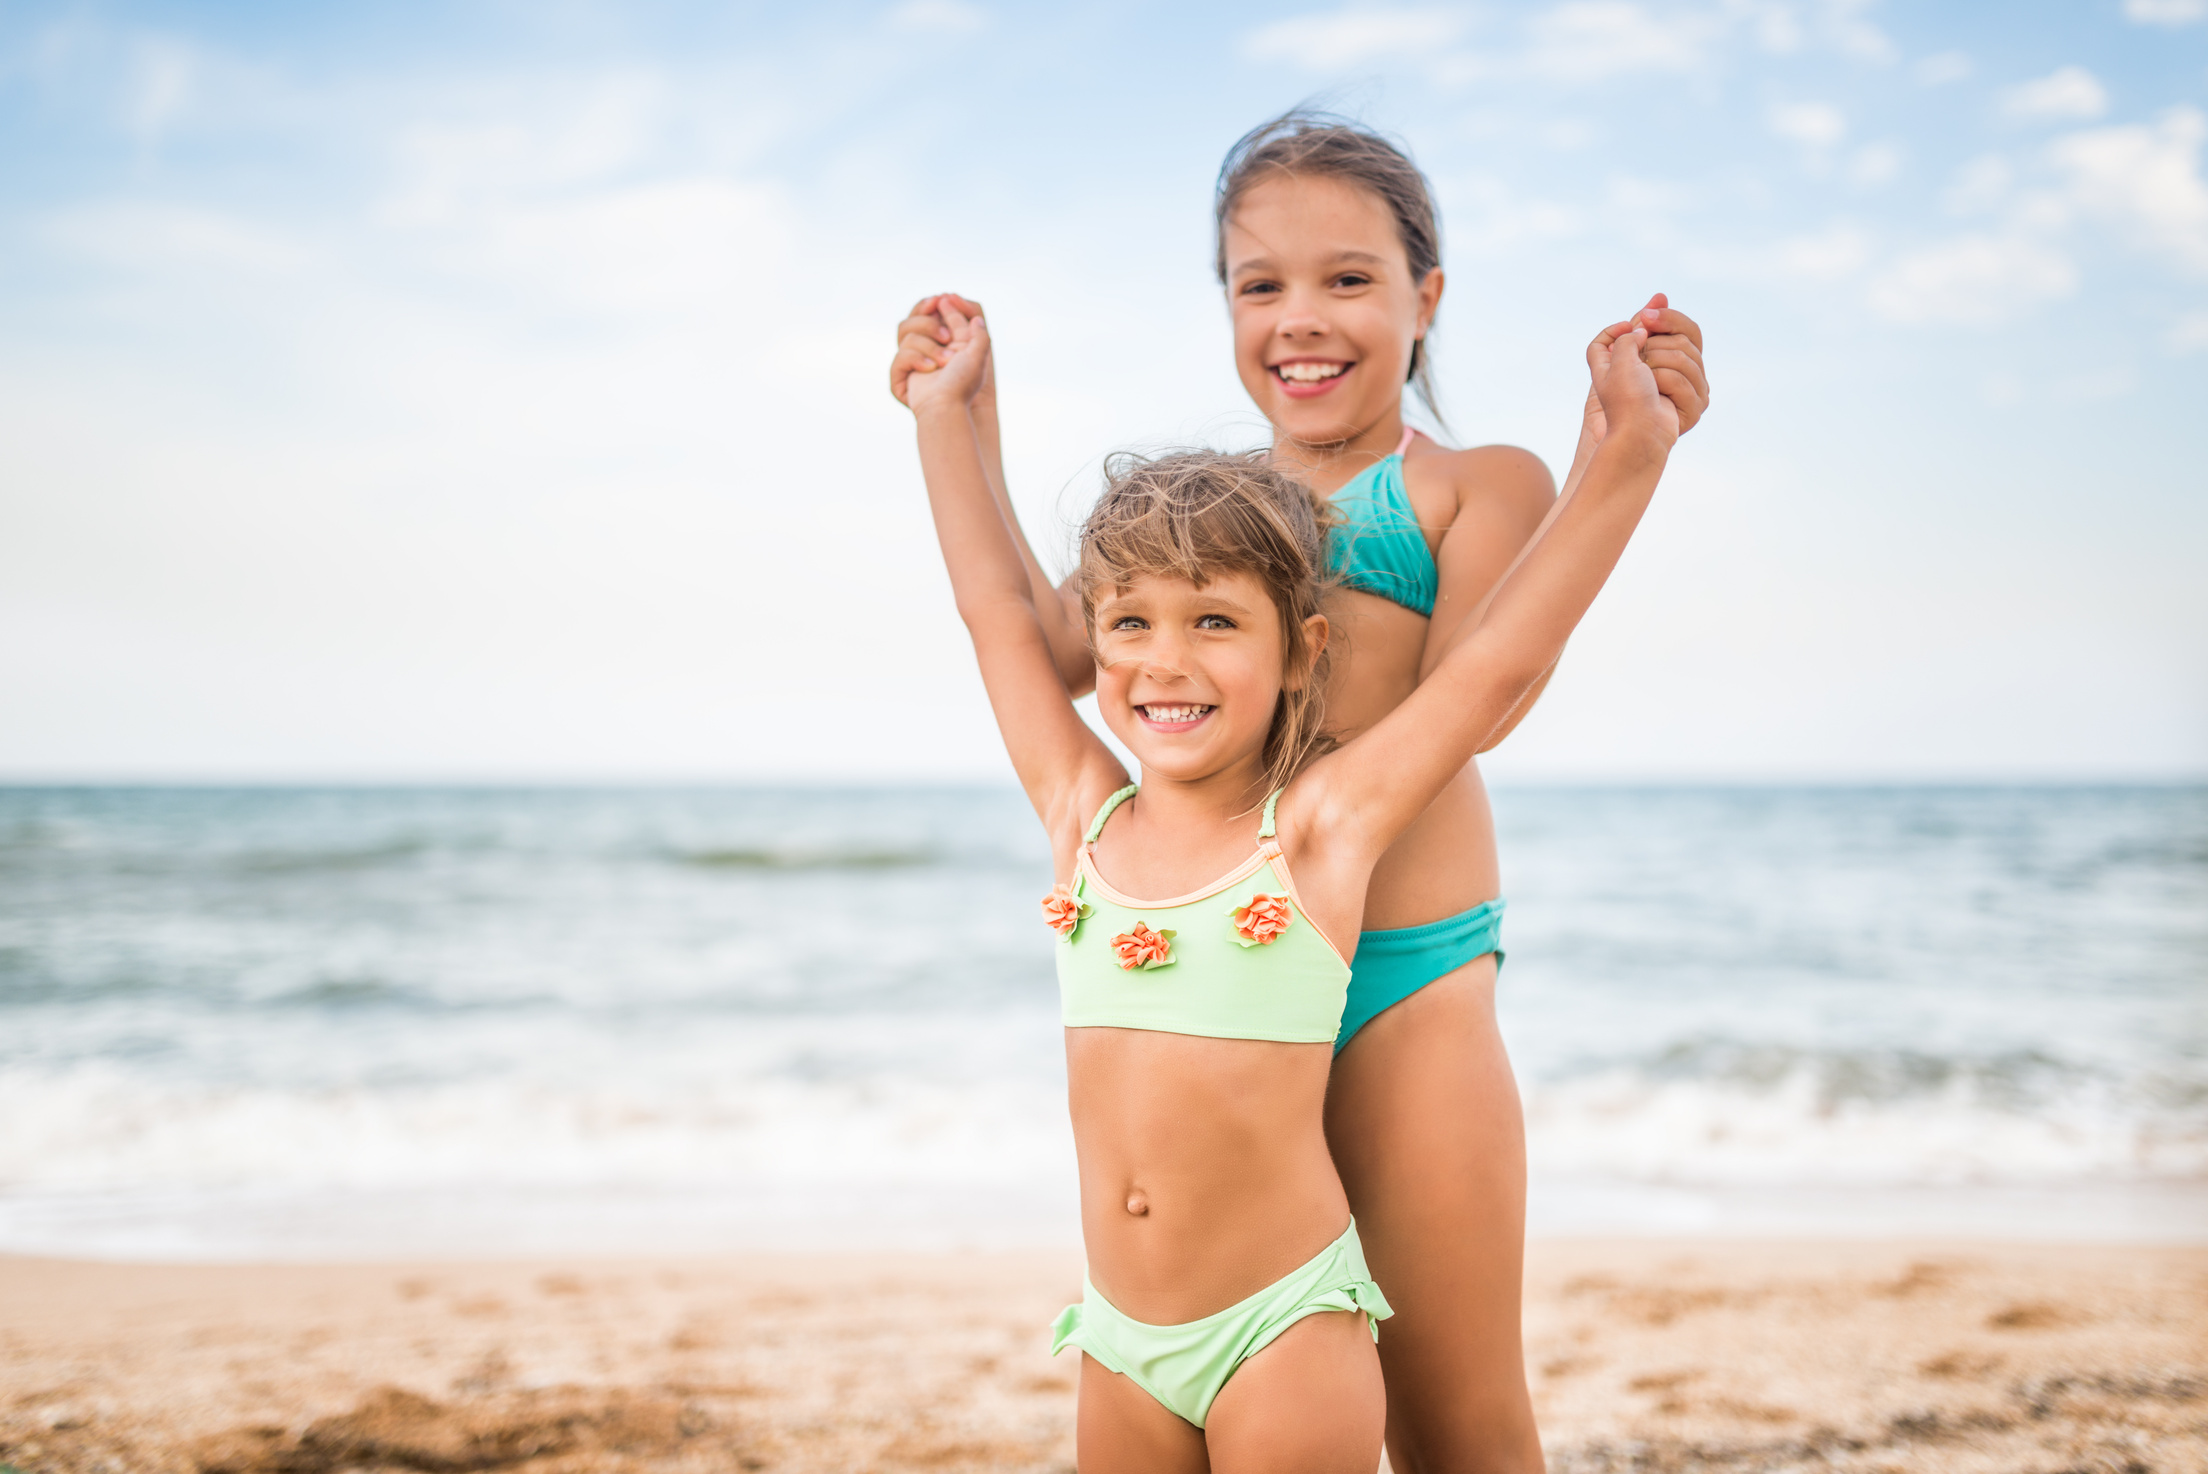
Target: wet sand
(1644,1356)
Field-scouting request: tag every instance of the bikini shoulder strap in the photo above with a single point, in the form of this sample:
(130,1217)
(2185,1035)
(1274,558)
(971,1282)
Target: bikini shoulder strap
(1096,826)
(1408,434)
(1266,830)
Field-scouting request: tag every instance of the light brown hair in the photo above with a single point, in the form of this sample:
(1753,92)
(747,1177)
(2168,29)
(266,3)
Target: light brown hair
(1197,514)
(1306,141)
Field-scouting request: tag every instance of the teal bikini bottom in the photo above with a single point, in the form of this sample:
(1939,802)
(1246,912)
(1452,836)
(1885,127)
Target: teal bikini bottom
(1392,965)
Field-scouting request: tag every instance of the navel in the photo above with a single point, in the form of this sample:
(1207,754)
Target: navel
(1137,1204)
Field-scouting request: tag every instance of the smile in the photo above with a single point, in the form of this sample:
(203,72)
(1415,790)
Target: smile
(1306,377)
(1174,718)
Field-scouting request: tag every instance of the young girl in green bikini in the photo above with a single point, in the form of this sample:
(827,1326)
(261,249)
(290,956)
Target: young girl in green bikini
(1328,248)
(1229,1319)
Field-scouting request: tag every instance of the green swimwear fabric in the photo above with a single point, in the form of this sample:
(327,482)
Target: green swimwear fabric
(1185,1366)
(1214,981)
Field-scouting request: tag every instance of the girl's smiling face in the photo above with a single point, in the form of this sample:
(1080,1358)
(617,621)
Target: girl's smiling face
(1189,677)
(1324,304)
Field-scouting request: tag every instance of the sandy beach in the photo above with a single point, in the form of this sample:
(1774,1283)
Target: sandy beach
(1645,1356)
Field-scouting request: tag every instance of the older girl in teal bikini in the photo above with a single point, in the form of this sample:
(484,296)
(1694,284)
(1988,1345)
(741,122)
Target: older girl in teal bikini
(1328,249)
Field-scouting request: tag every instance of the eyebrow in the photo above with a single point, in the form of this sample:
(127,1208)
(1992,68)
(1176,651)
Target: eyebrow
(1259,263)
(1213,604)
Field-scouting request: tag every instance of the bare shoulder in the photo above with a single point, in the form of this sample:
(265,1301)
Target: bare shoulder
(1493,482)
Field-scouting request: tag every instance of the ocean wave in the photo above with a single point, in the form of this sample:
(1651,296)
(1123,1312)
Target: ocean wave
(805,859)
(100,1127)
(1739,1114)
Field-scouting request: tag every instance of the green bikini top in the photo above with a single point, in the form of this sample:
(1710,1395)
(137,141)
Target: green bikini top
(1235,960)
(1380,548)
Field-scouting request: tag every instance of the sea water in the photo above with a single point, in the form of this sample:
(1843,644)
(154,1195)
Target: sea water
(314,1022)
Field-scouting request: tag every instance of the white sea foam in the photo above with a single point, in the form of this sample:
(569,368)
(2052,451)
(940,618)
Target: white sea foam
(354,1023)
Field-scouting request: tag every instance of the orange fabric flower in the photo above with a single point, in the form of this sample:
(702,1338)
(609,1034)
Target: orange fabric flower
(1260,921)
(1063,911)
(1143,948)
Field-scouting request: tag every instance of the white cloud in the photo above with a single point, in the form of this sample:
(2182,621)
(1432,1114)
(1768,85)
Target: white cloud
(2165,12)
(2146,178)
(1973,279)
(1786,26)
(1980,185)
(1588,40)
(1837,252)
(165,238)
(1777,27)
(1818,124)
(1875,163)
(1947,66)
(1843,21)
(939,15)
(2189,334)
(1352,37)
(2066,92)
(1491,219)
(164,72)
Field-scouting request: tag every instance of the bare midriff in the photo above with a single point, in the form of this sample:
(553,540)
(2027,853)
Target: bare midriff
(1205,1175)
(1445,862)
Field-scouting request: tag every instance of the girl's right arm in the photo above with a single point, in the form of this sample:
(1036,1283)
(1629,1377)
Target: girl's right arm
(921,340)
(1062,764)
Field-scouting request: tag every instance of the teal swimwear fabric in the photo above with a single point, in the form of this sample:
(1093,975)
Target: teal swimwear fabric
(1379,549)
(1390,966)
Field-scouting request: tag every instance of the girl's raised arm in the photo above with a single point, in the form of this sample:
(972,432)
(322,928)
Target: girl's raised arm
(921,341)
(1370,790)
(1469,570)
(1061,763)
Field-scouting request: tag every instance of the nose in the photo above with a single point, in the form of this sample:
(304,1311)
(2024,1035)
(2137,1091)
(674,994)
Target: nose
(1167,658)
(1303,317)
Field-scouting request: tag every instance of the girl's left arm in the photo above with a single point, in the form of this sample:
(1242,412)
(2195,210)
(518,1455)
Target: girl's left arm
(1361,796)
(1506,496)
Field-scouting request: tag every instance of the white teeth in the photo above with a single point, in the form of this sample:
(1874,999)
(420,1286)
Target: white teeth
(1158,713)
(1310,373)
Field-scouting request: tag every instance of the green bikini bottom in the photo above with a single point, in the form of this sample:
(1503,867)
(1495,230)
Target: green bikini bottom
(1184,1366)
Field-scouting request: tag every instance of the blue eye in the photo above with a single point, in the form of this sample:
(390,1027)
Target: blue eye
(1215,622)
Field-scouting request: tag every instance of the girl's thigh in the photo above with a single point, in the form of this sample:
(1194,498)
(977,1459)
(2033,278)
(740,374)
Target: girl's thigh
(1121,1429)
(1309,1403)
(1424,1121)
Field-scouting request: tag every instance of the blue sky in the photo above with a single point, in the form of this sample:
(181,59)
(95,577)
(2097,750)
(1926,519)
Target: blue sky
(495,390)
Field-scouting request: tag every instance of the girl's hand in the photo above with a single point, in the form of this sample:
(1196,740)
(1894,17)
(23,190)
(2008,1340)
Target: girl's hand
(1673,354)
(1634,409)
(963,362)
(922,340)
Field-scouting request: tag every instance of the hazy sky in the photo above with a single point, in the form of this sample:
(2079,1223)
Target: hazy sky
(497,390)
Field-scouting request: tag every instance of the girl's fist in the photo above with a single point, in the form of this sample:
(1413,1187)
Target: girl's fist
(961,362)
(922,339)
(1632,404)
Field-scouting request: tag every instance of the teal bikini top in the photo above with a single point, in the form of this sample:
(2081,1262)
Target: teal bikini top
(1235,960)
(1380,549)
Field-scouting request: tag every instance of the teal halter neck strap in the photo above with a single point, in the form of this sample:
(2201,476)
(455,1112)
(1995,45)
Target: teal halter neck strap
(1096,825)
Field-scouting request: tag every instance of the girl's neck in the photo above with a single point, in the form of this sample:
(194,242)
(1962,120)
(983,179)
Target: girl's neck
(1326,467)
(1220,799)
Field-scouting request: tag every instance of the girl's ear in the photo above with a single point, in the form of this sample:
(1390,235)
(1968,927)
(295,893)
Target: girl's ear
(1429,301)
(1315,633)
